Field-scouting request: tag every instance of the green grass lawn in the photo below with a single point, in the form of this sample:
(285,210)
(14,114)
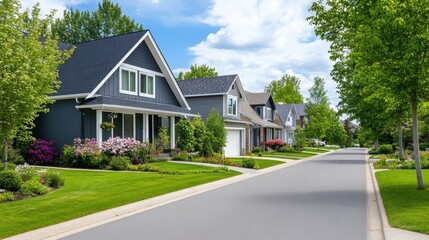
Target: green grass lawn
(331,147)
(406,207)
(288,154)
(261,162)
(87,192)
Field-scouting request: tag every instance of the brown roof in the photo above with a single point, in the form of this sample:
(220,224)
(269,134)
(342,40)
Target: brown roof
(258,98)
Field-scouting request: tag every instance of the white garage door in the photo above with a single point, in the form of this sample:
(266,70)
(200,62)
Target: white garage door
(232,147)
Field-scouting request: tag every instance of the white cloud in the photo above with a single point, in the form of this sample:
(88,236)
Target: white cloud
(261,40)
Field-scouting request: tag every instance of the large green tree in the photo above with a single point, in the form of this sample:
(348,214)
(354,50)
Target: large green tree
(80,26)
(29,60)
(317,110)
(198,71)
(286,90)
(382,43)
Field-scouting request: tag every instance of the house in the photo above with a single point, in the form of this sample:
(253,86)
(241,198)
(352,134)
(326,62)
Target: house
(264,106)
(301,117)
(289,117)
(224,94)
(121,79)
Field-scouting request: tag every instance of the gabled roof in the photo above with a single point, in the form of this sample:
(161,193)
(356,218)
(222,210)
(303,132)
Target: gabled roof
(207,86)
(300,109)
(284,110)
(93,62)
(247,111)
(260,98)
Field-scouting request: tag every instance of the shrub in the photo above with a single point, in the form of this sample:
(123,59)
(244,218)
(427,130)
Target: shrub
(163,139)
(299,138)
(53,179)
(6,197)
(13,156)
(200,134)
(140,156)
(185,135)
(257,150)
(423,146)
(26,172)
(10,180)
(121,146)
(86,147)
(215,124)
(275,144)
(385,149)
(248,163)
(373,151)
(207,147)
(42,152)
(119,162)
(182,156)
(288,149)
(33,188)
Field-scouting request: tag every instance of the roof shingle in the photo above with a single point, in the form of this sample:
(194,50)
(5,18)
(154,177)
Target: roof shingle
(202,86)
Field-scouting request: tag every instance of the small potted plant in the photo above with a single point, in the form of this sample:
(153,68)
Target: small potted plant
(107,126)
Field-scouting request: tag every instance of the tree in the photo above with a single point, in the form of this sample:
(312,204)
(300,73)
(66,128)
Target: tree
(81,26)
(317,110)
(286,90)
(299,139)
(198,71)
(335,132)
(216,127)
(383,42)
(28,69)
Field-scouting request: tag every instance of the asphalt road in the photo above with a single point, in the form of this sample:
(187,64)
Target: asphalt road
(324,198)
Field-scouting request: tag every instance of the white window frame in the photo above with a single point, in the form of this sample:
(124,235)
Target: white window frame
(236,105)
(140,84)
(120,81)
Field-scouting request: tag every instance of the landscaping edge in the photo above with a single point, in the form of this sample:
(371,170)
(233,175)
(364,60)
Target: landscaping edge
(388,232)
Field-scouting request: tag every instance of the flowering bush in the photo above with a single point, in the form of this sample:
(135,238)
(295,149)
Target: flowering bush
(86,147)
(26,171)
(41,152)
(121,146)
(275,144)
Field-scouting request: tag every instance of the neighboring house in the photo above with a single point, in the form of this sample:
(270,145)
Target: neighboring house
(121,79)
(289,117)
(301,116)
(264,106)
(224,94)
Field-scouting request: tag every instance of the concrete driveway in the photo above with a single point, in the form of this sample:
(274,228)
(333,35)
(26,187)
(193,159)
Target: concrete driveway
(323,198)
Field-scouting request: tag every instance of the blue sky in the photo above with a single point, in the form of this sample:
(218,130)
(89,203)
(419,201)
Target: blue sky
(261,40)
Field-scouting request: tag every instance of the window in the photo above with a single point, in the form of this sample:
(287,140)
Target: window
(232,106)
(128,126)
(128,82)
(147,85)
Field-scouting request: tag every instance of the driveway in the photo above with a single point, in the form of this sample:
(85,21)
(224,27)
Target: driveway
(323,198)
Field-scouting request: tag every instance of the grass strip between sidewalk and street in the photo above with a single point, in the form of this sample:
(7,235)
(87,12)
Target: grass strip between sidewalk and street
(87,192)
(260,162)
(406,206)
(288,155)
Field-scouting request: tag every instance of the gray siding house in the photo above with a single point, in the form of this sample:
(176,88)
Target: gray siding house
(224,94)
(121,79)
(289,118)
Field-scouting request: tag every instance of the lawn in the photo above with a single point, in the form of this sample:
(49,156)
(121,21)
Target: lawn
(406,207)
(288,155)
(87,192)
(315,150)
(261,162)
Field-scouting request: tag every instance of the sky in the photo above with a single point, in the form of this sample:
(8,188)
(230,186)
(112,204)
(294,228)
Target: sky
(260,40)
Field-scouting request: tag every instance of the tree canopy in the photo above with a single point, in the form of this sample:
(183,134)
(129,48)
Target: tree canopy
(286,90)
(81,26)
(198,71)
(28,68)
(380,45)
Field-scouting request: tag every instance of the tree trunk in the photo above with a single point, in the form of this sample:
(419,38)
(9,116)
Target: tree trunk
(400,143)
(416,145)
(5,147)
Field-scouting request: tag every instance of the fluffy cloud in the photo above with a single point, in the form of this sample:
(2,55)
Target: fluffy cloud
(262,40)
(47,5)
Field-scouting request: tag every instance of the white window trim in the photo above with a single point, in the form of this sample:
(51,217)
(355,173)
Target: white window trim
(120,81)
(140,83)
(236,105)
(134,125)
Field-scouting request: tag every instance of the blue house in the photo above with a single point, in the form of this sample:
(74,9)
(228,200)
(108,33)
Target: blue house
(121,79)
(224,94)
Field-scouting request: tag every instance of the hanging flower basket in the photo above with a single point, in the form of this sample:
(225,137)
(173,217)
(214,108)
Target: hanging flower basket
(107,126)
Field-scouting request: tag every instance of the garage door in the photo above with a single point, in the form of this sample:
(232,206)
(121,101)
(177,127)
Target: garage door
(232,147)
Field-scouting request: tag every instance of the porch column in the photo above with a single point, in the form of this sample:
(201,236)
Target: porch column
(172,133)
(146,127)
(98,130)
